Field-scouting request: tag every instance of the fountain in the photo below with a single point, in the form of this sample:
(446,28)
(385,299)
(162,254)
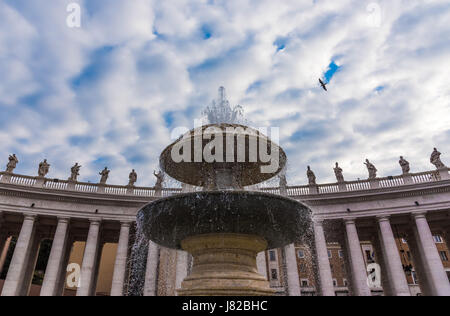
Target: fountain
(224,226)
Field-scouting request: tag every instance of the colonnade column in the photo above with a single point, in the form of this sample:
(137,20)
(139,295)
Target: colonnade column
(120,265)
(90,258)
(432,264)
(293,278)
(261,264)
(151,272)
(391,257)
(357,265)
(182,268)
(55,269)
(19,263)
(4,252)
(325,275)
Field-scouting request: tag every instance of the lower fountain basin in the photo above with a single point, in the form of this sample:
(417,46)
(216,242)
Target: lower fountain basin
(279,220)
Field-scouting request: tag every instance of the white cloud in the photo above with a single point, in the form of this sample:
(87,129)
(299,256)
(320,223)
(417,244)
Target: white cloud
(110,92)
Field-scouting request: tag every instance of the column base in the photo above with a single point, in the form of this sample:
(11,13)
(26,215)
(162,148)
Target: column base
(225,265)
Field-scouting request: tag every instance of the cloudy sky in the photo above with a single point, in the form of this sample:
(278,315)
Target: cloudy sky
(110,92)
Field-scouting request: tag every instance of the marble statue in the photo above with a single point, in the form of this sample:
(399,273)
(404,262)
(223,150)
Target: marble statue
(435,159)
(371,168)
(74,172)
(159,179)
(133,178)
(311,176)
(405,165)
(44,168)
(338,172)
(283,182)
(105,174)
(13,161)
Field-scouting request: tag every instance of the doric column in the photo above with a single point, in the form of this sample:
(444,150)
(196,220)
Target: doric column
(151,273)
(391,255)
(121,260)
(261,264)
(17,269)
(379,258)
(31,265)
(358,268)
(4,252)
(90,258)
(433,268)
(293,279)
(182,268)
(55,269)
(325,276)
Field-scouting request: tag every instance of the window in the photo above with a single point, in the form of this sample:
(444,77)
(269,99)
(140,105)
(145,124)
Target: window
(330,255)
(369,256)
(345,282)
(301,254)
(303,268)
(414,277)
(304,283)
(341,254)
(272,255)
(437,239)
(443,255)
(274,274)
(335,284)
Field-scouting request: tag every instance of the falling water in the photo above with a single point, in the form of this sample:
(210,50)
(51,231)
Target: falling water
(220,111)
(138,261)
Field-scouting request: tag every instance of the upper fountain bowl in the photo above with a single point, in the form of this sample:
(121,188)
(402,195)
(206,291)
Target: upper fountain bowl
(223,156)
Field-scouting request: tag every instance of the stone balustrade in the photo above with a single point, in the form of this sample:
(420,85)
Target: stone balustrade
(293,191)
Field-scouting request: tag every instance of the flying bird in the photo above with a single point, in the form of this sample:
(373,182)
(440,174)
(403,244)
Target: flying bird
(324,85)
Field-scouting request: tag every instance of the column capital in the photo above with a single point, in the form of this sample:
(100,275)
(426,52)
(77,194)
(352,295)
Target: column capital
(29,217)
(383,218)
(126,223)
(95,221)
(417,215)
(63,219)
(350,220)
(318,221)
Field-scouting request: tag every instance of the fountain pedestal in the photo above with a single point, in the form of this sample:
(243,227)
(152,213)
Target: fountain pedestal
(225,265)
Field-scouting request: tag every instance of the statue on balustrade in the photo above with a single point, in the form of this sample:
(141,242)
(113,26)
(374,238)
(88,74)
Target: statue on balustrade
(74,172)
(435,159)
(372,170)
(159,182)
(133,178)
(311,176)
(338,172)
(13,161)
(283,182)
(105,174)
(44,168)
(405,165)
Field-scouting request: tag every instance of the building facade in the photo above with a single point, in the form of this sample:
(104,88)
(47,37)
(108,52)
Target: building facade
(61,237)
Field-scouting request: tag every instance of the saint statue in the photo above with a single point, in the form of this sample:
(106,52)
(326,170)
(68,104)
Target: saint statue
(338,172)
(105,174)
(13,161)
(44,168)
(133,178)
(74,172)
(435,159)
(372,170)
(311,176)
(159,180)
(405,165)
